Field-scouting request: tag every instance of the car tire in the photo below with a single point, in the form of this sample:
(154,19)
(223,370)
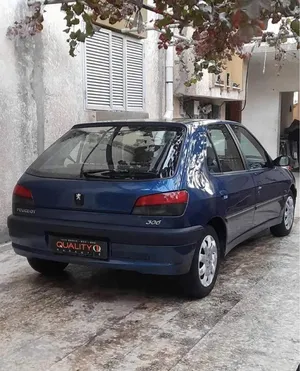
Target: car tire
(286,225)
(205,260)
(47,267)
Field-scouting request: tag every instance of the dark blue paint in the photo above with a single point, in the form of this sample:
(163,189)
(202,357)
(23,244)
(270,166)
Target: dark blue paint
(245,201)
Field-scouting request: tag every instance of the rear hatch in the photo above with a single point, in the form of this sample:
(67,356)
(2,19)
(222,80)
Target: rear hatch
(106,168)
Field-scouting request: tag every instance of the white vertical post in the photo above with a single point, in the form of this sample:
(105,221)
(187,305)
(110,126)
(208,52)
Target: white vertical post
(169,83)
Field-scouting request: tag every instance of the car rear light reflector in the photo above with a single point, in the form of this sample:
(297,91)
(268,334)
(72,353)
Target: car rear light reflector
(162,204)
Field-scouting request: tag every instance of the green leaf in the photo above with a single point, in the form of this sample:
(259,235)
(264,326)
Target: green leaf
(66,30)
(161,23)
(81,36)
(78,7)
(73,43)
(75,21)
(295,26)
(168,34)
(86,17)
(69,16)
(72,51)
(73,35)
(65,7)
(89,29)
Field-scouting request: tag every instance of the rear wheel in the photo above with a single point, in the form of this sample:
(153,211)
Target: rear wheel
(47,267)
(202,276)
(285,227)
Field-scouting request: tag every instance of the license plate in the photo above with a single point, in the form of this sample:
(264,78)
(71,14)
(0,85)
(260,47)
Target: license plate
(79,247)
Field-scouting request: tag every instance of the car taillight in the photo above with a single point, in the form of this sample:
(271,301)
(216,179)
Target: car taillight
(22,201)
(162,204)
(22,192)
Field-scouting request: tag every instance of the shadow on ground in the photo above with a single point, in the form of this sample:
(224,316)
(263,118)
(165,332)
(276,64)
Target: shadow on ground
(106,284)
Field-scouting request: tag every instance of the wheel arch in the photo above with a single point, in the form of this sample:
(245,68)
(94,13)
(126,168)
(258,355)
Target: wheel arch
(219,226)
(294,191)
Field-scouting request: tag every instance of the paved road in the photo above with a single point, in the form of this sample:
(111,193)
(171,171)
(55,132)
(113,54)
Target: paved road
(98,320)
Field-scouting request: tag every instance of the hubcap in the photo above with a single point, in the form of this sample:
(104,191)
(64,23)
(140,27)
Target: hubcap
(289,213)
(208,259)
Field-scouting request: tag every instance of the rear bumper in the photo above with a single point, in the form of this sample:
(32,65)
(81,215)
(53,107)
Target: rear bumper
(146,250)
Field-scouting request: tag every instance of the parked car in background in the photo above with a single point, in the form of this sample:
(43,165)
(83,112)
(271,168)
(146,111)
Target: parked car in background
(168,198)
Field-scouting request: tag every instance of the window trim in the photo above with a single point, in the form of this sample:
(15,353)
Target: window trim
(112,108)
(238,149)
(270,163)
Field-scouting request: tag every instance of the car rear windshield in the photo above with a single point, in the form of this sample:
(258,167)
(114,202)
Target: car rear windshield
(113,152)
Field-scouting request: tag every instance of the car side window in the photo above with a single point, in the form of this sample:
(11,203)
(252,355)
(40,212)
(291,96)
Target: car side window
(254,153)
(211,158)
(226,149)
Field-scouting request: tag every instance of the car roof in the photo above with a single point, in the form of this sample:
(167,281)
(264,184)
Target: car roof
(187,122)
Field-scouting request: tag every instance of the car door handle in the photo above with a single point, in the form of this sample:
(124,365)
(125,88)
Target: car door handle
(224,195)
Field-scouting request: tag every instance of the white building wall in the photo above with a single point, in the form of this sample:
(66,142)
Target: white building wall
(42,92)
(154,76)
(263,104)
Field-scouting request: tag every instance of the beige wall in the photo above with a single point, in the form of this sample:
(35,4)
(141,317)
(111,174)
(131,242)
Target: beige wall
(235,70)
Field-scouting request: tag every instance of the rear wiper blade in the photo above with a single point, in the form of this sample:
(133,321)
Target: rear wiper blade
(99,173)
(106,173)
(95,171)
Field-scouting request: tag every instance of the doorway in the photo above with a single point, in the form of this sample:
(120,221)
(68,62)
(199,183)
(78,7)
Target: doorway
(233,111)
(289,126)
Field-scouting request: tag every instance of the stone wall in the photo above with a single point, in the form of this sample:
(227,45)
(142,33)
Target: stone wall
(42,93)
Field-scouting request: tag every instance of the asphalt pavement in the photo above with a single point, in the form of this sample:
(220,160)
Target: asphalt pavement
(91,319)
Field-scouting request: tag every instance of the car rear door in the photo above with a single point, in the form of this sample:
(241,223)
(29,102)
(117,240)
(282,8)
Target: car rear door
(270,182)
(234,184)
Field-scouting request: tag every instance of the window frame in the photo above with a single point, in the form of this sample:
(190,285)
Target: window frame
(222,173)
(269,160)
(112,108)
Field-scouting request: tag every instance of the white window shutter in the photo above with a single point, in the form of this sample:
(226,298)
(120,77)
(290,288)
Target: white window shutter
(118,75)
(114,72)
(98,71)
(134,75)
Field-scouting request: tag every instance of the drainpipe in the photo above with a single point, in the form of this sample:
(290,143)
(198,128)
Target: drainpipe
(169,83)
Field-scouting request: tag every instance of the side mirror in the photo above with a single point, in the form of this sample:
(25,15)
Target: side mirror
(283,161)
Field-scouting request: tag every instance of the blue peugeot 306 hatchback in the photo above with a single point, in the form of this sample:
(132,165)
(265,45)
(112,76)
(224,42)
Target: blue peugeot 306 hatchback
(168,198)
